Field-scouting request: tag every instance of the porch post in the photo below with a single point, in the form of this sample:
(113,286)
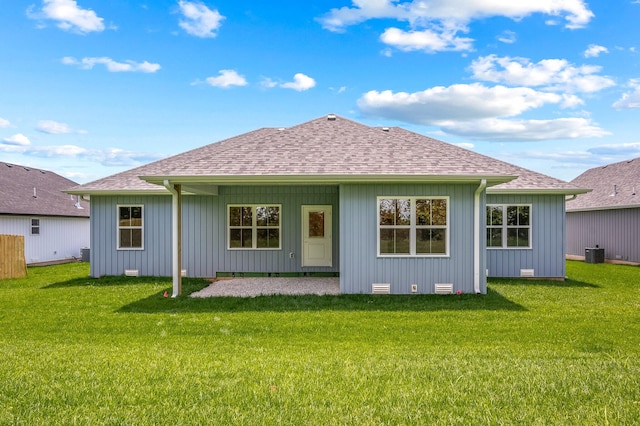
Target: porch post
(477,236)
(176,235)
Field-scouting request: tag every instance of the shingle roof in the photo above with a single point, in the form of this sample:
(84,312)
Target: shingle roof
(333,150)
(621,178)
(20,184)
(527,181)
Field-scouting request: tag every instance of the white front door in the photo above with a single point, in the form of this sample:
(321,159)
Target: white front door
(316,236)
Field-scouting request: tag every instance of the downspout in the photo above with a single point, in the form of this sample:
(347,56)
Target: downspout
(573,197)
(176,235)
(476,236)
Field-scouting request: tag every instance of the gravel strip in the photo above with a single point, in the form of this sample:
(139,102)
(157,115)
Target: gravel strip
(251,287)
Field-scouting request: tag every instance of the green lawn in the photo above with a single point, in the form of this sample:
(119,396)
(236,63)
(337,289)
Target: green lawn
(76,350)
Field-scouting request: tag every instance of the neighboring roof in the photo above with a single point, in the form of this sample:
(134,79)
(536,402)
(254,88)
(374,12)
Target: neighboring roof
(29,191)
(329,149)
(614,186)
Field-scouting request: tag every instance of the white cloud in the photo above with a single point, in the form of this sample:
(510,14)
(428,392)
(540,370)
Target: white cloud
(17,140)
(508,37)
(575,12)
(227,78)
(69,16)
(428,40)
(4,123)
(106,157)
(111,65)
(459,102)
(57,151)
(627,150)
(300,83)
(465,145)
(120,157)
(552,74)
(479,112)
(594,50)
(199,20)
(496,129)
(53,127)
(630,100)
(434,25)
(268,83)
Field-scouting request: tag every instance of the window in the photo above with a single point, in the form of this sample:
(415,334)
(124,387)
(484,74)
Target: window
(35,226)
(413,226)
(130,227)
(508,226)
(253,227)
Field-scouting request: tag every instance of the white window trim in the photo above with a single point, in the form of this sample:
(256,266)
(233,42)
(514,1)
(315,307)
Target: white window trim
(254,228)
(504,227)
(118,227)
(32,226)
(413,227)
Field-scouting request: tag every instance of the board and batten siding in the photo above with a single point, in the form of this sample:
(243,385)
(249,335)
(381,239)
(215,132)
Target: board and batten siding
(60,238)
(204,232)
(616,231)
(154,259)
(361,265)
(547,253)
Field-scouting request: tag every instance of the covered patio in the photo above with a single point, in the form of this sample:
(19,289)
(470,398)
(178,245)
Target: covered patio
(265,286)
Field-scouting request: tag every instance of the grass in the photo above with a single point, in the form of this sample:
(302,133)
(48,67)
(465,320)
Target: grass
(77,350)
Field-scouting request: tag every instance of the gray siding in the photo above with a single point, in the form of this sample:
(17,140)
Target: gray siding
(361,266)
(546,255)
(204,232)
(155,259)
(616,231)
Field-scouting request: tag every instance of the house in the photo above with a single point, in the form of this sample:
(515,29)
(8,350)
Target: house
(609,216)
(386,209)
(55,225)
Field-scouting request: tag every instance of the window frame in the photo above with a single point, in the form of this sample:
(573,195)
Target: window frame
(120,227)
(413,227)
(254,226)
(504,227)
(36,226)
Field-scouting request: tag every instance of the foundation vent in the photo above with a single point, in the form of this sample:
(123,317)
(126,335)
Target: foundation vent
(527,273)
(183,273)
(381,288)
(131,272)
(444,289)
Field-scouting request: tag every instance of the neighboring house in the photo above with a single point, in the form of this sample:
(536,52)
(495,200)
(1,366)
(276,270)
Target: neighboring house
(376,206)
(608,216)
(55,225)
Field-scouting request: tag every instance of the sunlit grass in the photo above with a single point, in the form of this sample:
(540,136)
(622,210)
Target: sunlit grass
(77,350)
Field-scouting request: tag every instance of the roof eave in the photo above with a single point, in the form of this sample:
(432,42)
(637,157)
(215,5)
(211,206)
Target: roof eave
(82,192)
(326,179)
(538,191)
(66,216)
(589,209)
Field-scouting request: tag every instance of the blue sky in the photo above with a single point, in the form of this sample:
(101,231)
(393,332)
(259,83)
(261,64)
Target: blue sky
(89,88)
